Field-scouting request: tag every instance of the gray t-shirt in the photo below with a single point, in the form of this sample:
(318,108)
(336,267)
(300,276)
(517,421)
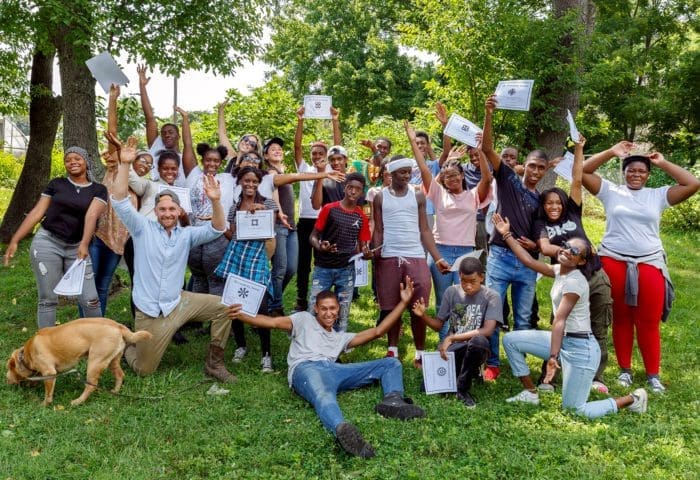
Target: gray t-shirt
(579,320)
(468,312)
(311,342)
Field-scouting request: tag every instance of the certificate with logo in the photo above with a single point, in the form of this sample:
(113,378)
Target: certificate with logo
(361,272)
(318,106)
(255,226)
(183,194)
(439,375)
(239,290)
(462,129)
(514,94)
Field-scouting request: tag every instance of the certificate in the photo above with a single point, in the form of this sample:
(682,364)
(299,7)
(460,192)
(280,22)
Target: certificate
(573,131)
(462,129)
(106,71)
(183,194)
(361,272)
(239,290)
(318,106)
(439,375)
(71,285)
(514,94)
(474,254)
(255,226)
(565,166)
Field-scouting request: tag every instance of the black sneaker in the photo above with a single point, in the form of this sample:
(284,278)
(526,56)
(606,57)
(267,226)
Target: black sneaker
(350,438)
(394,405)
(466,399)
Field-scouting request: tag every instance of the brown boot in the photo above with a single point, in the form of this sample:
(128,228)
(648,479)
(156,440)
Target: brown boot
(214,366)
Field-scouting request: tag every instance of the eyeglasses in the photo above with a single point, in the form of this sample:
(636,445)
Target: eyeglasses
(250,141)
(250,158)
(574,250)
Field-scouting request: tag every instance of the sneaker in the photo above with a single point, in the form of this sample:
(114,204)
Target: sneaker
(656,385)
(491,373)
(599,387)
(393,405)
(526,396)
(624,379)
(466,399)
(545,387)
(639,405)
(350,438)
(239,354)
(266,363)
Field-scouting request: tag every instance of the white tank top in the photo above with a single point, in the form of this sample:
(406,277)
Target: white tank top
(401,228)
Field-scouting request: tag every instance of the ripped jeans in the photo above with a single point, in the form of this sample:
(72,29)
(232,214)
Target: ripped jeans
(51,258)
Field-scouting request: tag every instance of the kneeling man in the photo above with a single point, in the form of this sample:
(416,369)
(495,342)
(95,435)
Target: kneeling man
(315,375)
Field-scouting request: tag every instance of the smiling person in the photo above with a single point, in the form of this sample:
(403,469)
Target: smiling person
(570,343)
(248,142)
(68,210)
(632,253)
(315,375)
(517,200)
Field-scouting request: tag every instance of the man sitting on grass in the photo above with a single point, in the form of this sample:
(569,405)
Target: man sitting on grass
(315,375)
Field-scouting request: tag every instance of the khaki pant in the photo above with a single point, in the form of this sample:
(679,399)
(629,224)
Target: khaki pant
(145,357)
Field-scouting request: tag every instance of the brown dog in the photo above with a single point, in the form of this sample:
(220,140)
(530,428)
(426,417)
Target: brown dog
(57,349)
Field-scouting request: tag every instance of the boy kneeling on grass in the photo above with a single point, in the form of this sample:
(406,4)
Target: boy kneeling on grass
(473,312)
(315,375)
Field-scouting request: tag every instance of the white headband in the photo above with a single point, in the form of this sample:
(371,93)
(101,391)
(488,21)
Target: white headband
(399,163)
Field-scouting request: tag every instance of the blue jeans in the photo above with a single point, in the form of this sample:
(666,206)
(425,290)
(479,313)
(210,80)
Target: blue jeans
(579,359)
(104,263)
(450,253)
(341,280)
(503,269)
(318,382)
(284,262)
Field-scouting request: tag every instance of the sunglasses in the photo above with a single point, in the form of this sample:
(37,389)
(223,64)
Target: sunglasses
(575,251)
(250,158)
(250,141)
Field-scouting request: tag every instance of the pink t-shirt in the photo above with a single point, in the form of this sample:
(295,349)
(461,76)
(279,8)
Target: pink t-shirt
(455,215)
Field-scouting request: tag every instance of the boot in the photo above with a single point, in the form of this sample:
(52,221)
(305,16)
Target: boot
(214,366)
(393,405)
(350,438)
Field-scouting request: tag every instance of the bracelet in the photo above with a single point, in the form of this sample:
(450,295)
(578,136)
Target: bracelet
(507,235)
(441,259)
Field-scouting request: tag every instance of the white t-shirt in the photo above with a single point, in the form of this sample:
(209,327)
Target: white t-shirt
(306,189)
(155,150)
(633,218)
(311,342)
(195,184)
(579,320)
(266,188)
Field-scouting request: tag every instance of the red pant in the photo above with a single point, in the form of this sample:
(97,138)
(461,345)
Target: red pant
(645,317)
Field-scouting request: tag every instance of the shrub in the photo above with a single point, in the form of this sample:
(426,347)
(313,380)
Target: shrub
(10,168)
(686,215)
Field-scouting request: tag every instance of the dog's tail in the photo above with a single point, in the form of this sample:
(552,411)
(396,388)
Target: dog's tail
(135,337)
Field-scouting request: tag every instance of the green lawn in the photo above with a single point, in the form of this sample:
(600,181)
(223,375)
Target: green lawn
(262,430)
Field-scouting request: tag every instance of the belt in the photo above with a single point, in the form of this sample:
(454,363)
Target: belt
(578,334)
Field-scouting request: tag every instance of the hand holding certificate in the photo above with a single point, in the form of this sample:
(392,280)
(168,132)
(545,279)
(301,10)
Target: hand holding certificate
(318,106)
(573,131)
(514,94)
(71,285)
(239,290)
(565,166)
(255,226)
(462,129)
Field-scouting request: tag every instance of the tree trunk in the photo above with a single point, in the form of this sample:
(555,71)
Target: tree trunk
(44,115)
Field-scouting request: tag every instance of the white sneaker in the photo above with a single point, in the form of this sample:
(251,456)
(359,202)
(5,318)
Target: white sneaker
(656,385)
(625,379)
(599,387)
(239,354)
(545,387)
(639,405)
(266,363)
(526,396)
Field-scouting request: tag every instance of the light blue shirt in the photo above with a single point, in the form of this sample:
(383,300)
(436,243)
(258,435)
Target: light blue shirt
(159,259)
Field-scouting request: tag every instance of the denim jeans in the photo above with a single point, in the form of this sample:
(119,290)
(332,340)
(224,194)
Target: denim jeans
(318,382)
(104,263)
(51,258)
(284,262)
(341,281)
(450,253)
(579,359)
(505,269)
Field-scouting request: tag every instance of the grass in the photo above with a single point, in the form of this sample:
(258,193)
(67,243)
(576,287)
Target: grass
(263,430)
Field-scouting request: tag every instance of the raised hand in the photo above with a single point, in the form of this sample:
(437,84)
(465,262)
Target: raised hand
(300,113)
(368,144)
(623,148)
(457,152)
(407,290)
(656,158)
(503,226)
(410,131)
(335,114)
(418,308)
(114,91)
(581,140)
(182,112)
(491,103)
(141,70)
(211,187)
(441,113)
(334,175)
(222,106)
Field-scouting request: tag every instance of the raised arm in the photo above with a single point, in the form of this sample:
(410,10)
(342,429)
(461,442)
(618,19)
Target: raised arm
(126,155)
(335,120)
(213,193)
(503,227)
(484,185)
(298,137)
(425,174)
(688,183)
(441,115)
(487,135)
(221,129)
(590,180)
(189,160)
(380,330)
(577,172)
(376,157)
(151,125)
(112,114)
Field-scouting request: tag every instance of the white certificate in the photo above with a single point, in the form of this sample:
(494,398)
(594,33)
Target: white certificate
(239,290)
(462,129)
(71,285)
(514,94)
(106,71)
(318,106)
(255,226)
(361,272)
(565,166)
(474,254)
(439,375)
(183,194)
(573,131)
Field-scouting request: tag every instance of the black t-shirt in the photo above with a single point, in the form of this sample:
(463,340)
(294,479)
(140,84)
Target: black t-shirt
(65,216)
(286,196)
(516,203)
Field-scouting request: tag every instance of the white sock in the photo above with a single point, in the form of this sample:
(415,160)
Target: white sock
(395,351)
(419,354)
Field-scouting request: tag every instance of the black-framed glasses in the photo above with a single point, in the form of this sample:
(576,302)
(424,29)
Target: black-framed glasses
(574,250)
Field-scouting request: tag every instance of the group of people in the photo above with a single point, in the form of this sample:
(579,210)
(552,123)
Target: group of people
(418,219)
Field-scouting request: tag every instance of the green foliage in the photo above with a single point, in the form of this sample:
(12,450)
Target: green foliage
(10,168)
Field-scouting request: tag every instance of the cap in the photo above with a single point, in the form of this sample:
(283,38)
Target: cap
(337,150)
(271,141)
